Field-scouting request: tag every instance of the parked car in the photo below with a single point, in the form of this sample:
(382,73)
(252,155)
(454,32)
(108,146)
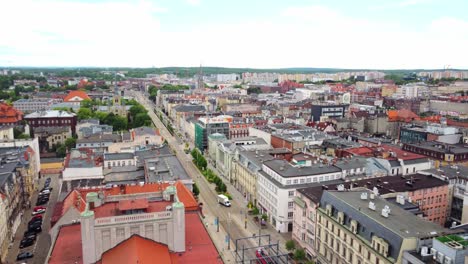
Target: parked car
(35,220)
(37,217)
(38,211)
(44,191)
(30,235)
(42,201)
(35,229)
(39,207)
(24,255)
(26,243)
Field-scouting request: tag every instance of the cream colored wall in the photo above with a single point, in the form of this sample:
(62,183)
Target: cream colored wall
(3,231)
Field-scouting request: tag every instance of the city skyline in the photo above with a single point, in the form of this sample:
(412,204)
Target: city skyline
(406,34)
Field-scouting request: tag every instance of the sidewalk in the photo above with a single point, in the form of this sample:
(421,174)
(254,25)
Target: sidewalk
(218,238)
(252,227)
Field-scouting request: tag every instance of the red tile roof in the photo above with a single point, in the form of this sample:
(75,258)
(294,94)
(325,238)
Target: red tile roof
(81,94)
(139,250)
(400,154)
(113,209)
(133,204)
(199,248)
(67,247)
(9,114)
(77,199)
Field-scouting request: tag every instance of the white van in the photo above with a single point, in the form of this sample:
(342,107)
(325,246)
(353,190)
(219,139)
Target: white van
(222,199)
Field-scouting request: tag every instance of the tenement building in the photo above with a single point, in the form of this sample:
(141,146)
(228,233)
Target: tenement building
(358,227)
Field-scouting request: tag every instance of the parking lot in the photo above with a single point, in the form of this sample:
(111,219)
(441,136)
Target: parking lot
(40,248)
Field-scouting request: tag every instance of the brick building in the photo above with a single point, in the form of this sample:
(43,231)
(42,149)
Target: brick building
(52,118)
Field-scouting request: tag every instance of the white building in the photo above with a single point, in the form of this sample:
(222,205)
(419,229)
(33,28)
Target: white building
(81,164)
(277,184)
(119,160)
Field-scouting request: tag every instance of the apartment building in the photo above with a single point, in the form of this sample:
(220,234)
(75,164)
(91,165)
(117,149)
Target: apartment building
(277,184)
(359,227)
(245,168)
(33,105)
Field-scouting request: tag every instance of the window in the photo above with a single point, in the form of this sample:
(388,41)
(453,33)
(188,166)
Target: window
(290,204)
(291,193)
(290,214)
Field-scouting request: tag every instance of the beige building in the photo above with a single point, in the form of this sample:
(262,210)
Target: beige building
(245,167)
(358,227)
(50,136)
(100,234)
(4,237)
(141,136)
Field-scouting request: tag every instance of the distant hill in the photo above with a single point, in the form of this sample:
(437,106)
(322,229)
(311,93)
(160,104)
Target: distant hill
(190,71)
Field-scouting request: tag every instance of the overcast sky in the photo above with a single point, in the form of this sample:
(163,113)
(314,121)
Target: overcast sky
(392,34)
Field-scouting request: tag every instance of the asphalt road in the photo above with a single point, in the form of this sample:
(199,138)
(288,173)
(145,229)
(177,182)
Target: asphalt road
(41,247)
(207,192)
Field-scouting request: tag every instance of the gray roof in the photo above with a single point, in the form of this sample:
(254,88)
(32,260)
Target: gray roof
(415,161)
(52,130)
(143,131)
(118,156)
(284,169)
(399,225)
(254,159)
(190,108)
(100,138)
(89,121)
(50,114)
(450,172)
(354,163)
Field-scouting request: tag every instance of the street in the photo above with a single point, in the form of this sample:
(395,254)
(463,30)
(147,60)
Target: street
(41,247)
(231,219)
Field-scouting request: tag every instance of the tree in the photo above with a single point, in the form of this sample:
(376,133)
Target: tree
(142,119)
(299,254)
(290,245)
(88,103)
(119,123)
(84,113)
(196,191)
(22,136)
(70,143)
(61,150)
(136,109)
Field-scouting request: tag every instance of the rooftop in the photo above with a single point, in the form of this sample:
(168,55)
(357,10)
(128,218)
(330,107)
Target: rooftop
(440,147)
(137,249)
(144,131)
(451,172)
(284,169)
(400,222)
(118,156)
(82,95)
(385,185)
(67,247)
(50,114)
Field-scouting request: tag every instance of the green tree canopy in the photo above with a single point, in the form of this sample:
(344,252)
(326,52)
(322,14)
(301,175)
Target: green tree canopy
(85,113)
(70,143)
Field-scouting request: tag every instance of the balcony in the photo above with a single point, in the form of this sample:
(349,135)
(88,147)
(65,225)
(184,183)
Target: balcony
(124,219)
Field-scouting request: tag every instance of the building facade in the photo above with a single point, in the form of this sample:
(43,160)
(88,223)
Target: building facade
(52,118)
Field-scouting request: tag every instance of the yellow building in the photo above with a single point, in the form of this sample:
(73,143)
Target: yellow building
(244,171)
(358,227)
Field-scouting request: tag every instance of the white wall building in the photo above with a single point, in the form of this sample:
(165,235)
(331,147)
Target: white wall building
(277,184)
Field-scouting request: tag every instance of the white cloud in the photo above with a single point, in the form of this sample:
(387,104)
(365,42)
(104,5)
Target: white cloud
(54,33)
(193,2)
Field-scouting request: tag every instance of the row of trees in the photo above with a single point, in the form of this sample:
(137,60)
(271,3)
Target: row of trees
(202,164)
(153,90)
(137,115)
(298,254)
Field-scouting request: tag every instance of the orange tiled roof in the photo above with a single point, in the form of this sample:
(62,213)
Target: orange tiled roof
(67,247)
(9,114)
(82,94)
(139,250)
(401,115)
(77,199)
(133,204)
